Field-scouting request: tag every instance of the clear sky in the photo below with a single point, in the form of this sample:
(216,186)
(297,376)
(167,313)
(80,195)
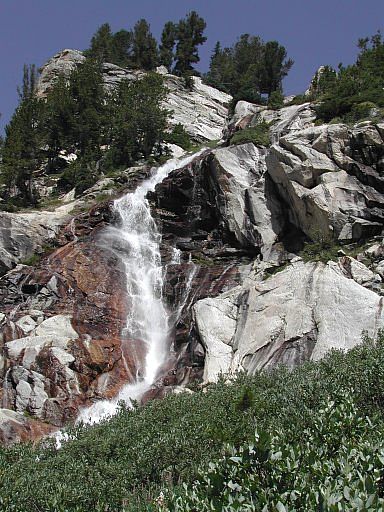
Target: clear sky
(314,32)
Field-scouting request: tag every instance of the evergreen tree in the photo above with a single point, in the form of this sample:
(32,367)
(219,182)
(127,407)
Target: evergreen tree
(21,153)
(140,120)
(275,66)
(249,68)
(88,99)
(58,122)
(166,49)
(145,54)
(247,57)
(122,42)
(356,89)
(101,44)
(221,69)
(189,36)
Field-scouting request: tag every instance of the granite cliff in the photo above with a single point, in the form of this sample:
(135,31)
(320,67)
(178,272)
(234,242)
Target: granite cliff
(238,290)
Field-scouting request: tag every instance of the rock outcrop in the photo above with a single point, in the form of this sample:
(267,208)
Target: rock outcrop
(285,120)
(331,178)
(61,64)
(293,316)
(23,235)
(201,109)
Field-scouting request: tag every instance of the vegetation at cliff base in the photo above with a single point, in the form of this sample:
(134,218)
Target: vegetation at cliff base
(307,439)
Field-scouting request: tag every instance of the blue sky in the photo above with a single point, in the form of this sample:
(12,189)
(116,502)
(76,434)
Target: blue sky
(314,32)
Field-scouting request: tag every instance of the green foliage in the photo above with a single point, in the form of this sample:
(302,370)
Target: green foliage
(299,100)
(101,44)
(58,123)
(321,248)
(179,136)
(131,458)
(249,68)
(189,36)
(89,107)
(323,82)
(139,120)
(79,117)
(32,260)
(361,111)
(21,153)
(144,51)
(338,465)
(276,100)
(166,49)
(108,47)
(258,134)
(355,84)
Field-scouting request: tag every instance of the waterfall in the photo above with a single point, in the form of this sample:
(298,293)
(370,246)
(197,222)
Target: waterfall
(136,241)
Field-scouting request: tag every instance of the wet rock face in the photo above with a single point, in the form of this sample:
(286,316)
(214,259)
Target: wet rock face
(222,206)
(215,215)
(61,327)
(331,177)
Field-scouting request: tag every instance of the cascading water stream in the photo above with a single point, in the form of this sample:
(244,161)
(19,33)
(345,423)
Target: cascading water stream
(136,241)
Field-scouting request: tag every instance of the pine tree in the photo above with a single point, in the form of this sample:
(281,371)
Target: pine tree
(168,40)
(58,122)
(88,102)
(21,153)
(145,54)
(101,44)
(121,53)
(249,68)
(275,67)
(221,69)
(189,36)
(140,120)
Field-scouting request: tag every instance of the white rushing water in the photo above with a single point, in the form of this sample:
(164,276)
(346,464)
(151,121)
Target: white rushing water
(136,241)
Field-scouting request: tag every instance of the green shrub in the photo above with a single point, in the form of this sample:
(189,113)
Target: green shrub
(32,260)
(361,111)
(179,136)
(276,100)
(258,134)
(337,465)
(123,464)
(320,248)
(299,100)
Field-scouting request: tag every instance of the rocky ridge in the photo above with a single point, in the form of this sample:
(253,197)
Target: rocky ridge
(201,109)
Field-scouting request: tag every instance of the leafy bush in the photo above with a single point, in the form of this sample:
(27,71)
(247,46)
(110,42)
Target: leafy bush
(338,465)
(276,100)
(299,100)
(258,134)
(361,111)
(123,464)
